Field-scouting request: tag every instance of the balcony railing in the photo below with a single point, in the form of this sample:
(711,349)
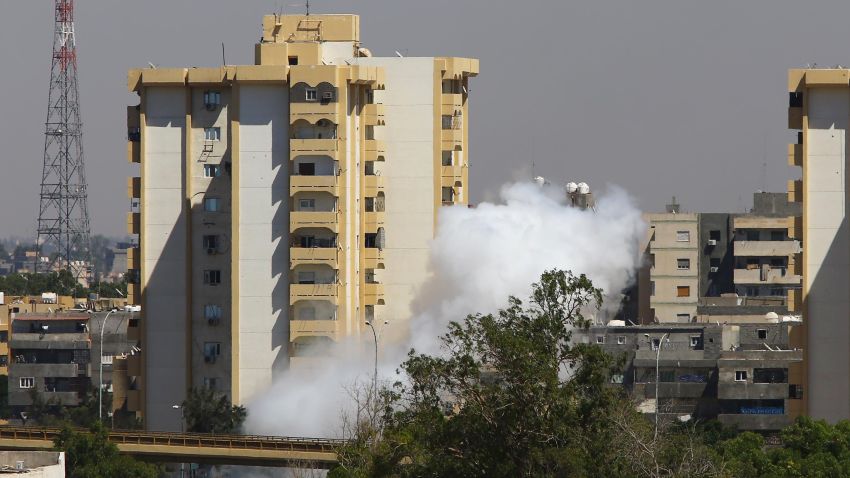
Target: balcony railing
(328,184)
(765,248)
(327,292)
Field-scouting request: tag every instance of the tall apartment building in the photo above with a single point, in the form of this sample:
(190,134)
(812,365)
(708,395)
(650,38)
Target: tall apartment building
(697,262)
(819,110)
(285,203)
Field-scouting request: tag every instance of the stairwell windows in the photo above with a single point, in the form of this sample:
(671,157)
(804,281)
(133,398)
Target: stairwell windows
(211,351)
(212,204)
(740,375)
(683,264)
(210,383)
(212,134)
(212,100)
(212,170)
(212,277)
(312,94)
(26,382)
(212,312)
(210,242)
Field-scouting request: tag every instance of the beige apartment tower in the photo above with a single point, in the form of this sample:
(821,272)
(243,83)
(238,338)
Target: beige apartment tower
(819,109)
(284,203)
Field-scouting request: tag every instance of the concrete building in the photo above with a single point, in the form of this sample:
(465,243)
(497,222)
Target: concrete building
(819,111)
(285,203)
(736,373)
(33,464)
(51,353)
(120,355)
(673,260)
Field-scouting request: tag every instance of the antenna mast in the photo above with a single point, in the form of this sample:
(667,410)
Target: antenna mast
(63,217)
(308,8)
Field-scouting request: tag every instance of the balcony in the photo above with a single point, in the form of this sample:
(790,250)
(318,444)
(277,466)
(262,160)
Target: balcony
(302,328)
(755,421)
(311,219)
(452,139)
(373,185)
(374,146)
(134,220)
(312,292)
(373,114)
(67,370)
(452,172)
(325,184)
(452,104)
(52,341)
(752,391)
(373,254)
(313,112)
(134,152)
(134,188)
(373,293)
(765,248)
(313,255)
(766,275)
(795,155)
(374,220)
(319,147)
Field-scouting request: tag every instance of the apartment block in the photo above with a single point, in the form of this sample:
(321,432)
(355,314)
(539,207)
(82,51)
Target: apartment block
(673,259)
(284,204)
(818,111)
(735,373)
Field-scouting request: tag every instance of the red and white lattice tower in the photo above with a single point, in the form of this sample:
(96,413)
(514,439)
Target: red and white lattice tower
(63,218)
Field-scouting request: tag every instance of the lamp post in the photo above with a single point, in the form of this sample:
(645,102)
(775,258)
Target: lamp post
(657,376)
(375,335)
(182,419)
(100,388)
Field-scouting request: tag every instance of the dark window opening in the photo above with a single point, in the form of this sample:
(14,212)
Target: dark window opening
(770,375)
(795,99)
(293,60)
(371,240)
(307,169)
(714,235)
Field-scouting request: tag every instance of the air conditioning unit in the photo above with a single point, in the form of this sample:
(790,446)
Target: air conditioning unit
(210,251)
(712,242)
(713,269)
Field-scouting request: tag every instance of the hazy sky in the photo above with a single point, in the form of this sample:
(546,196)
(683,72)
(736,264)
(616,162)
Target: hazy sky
(678,97)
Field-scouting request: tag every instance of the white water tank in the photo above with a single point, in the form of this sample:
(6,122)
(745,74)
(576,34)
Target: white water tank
(540,181)
(571,187)
(583,188)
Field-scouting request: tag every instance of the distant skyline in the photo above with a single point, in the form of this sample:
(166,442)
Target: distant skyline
(662,98)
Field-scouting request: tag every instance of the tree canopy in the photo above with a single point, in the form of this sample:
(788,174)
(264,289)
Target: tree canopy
(91,455)
(207,411)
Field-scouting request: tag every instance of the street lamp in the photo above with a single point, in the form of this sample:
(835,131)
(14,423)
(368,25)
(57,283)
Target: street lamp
(375,375)
(180,407)
(100,388)
(657,376)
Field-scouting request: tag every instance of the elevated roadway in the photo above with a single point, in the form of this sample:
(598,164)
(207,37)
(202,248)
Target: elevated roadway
(166,447)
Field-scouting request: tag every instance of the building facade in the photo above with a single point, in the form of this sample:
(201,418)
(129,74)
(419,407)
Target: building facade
(819,111)
(673,259)
(736,373)
(284,204)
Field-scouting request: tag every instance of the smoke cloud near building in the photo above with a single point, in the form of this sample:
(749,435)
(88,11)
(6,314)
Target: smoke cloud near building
(479,257)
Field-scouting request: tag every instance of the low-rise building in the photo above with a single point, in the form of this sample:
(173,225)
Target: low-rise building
(33,464)
(736,373)
(51,355)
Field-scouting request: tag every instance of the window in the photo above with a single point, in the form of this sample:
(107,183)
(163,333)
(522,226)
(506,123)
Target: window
(293,60)
(211,204)
(683,264)
(306,204)
(621,340)
(762,333)
(134,134)
(652,261)
(652,288)
(448,195)
(212,134)
(4,360)
(26,382)
(211,351)
(371,240)
(212,277)
(600,339)
(447,122)
(752,235)
(447,158)
(212,311)
(307,313)
(795,99)
(4,337)
(777,236)
(683,236)
(683,291)
(107,359)
(312,94)
(211,242)
(307,169)
(714,235)
(656,343)
(683,318)
(696,341)
(212,99)
(740,375)
(210,383)
(307,277)
(212,170)
(714,262)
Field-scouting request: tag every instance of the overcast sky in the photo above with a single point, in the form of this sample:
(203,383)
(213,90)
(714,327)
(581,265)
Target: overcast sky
(678,97)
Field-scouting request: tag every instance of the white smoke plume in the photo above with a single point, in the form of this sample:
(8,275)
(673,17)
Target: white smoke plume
(479,257)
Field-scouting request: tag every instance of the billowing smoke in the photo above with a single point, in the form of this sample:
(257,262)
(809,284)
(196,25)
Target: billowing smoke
(480,257)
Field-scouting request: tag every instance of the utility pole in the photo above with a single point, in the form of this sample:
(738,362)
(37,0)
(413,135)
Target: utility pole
(63,216)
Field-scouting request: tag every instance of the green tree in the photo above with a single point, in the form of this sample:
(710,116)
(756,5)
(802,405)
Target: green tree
(91,455)
(207,411)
